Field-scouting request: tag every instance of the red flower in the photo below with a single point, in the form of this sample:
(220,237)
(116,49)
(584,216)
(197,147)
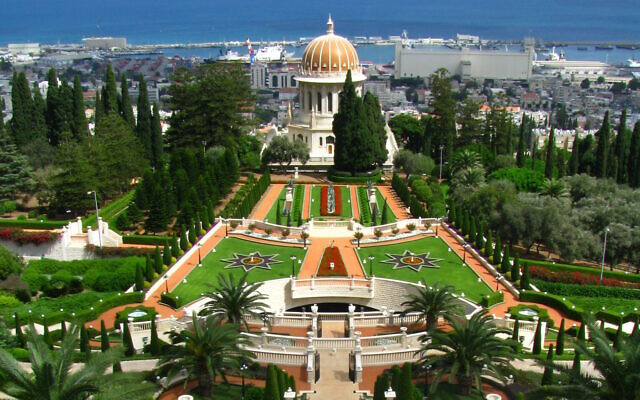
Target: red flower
(331,255)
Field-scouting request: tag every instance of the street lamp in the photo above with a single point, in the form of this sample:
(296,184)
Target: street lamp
(437,225)
(243,368)
(464,257)
(441,148)
(95,199)
(166,283)
(226,227)
(498,277)
(264,317)
(293,268)
(204,147)
(371,258)
(604,252)
(199,256)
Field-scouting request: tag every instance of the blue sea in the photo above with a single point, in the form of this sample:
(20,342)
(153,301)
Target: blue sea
(170,21)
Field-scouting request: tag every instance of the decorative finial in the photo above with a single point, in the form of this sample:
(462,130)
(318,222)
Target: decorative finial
(330,25)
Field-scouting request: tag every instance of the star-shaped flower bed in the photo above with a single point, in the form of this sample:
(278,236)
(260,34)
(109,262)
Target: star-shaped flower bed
(412,261)
(251,261)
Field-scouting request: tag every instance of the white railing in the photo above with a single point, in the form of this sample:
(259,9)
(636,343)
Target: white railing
(282,320)
(277,357)
(390,357)
(262,225)
(270,341)
(331,287)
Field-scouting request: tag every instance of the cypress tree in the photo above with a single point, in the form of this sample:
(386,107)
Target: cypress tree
(45,335)
(84,339)
(157,260)
(515,269)
(405,390)
(148,268)
(193,235)
(111,92)
(139,278)
(537,339)
(602,148)
(472,229)
(582,334)
(550,158)
(98,112)
(466,225)
(175,248)
(533,154)
(104,339)
(166,254)
(184,243)
(381,385)
(206,220)
(154,344)
(515,336)
(459,217)
(156,138)
(278,213)
(292,383)
(575,367)
(487,244)
(521,143)
(271,389)
(54,117)
(79,126)
(18,329)
(560,339)
(143,128)
(524,280)
(574,160)
(618,341)
(505,266)
(282,382)
(126,110)
(22,103)
(117,368)
(127,342)
(547,375)
(633,165)
(38,120)
(497,252)
(621,148)
(63,330)
(636,330)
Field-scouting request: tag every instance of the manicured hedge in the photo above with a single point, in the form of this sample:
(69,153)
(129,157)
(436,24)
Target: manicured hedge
(566,289)
(31,224)
(363,202)
(346,177)
(492,299)
(576,268)
(169,299)
(146,240)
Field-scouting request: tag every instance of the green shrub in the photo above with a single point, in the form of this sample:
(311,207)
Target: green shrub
(361,177)
(492,299)
(524,179)
(9,264)
(635,278)
(169,299)
(146,240)
(27,224)
(566,289)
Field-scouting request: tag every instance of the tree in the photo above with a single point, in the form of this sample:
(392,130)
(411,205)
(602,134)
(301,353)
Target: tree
(602,149)
(432,302)
(126,109)
(208,104)
(413,163)
(405,390)
(53,375)
(497,251)
(98,108)
(488,244)
(184,243)
(443,106)
(84,339)
(143,127)
(585,84)
(38,121)
(272,387)
(621,148)
(550,158)
(537,339)
(515,335)
(235,300)
(76,177)
(155,347)
(148,268)
(79,126)
(157,144)
(16,175)
(560,339)
(381,385)
(166,254)
(111,92)
(283,152)
(515,269)
(157,260)
(139,278)
(18,331)
(104,338)
(56,118)
(467,351)
(206,352)
(633,165)
(505,265)
(127,342)
(22,103)
(547,375)
(175,248)
(376,125)
(524,281)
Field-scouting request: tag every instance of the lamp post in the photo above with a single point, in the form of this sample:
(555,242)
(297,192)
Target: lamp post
(199,256)
(441,148)
(293,266)
(426,379)
(498,277)
(264,317)
(437,225)
(226,227)
(464,257)
(204,147)
(166,283)
(371,258)
(390,393)
(604,252)
(243,368)
(95,199)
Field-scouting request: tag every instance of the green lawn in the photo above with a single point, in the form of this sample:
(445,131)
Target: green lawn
(612,304)
(391,217)
(298,203)
(451,271)
(203,279)
(109,211)
(314,210)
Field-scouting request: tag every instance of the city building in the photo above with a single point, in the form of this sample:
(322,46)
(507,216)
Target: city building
(24,49)
(106,42)
(469,63)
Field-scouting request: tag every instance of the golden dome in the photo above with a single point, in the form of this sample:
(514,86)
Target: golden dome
(329,54)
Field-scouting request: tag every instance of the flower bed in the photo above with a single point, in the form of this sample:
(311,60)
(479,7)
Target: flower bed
(26,237)
(331,255)
(324,201)
(575,277)
(120,251)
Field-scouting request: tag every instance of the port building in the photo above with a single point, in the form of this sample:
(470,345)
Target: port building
(106,42)
(468,62)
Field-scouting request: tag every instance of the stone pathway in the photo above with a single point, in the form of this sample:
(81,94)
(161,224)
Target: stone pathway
(306,205)
(354,202)
(397,207)
(334,380)
(261,210)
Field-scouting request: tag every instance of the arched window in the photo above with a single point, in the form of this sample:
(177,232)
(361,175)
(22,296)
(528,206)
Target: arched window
(274,80)
(319,102)
(309,100)
(293,81)
(320,140)
(300,137)
(331,140)
(330,102)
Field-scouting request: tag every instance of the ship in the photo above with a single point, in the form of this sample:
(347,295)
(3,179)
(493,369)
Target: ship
(631,63)
(269,53)
(231,55)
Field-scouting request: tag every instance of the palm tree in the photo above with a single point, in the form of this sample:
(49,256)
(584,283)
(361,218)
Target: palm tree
(51,377)
(615,374)
(235,300)
(207,352)
(470,350)
(432,302)
(554,188)
(465,159)
(469,177)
